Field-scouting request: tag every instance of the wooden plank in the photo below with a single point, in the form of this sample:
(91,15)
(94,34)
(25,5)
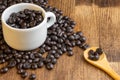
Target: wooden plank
(99,20)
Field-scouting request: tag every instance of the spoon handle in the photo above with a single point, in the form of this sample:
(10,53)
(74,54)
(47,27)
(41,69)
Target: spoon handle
(111,72)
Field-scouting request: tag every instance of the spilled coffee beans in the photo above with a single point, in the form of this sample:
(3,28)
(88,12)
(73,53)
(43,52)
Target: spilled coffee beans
(60,40)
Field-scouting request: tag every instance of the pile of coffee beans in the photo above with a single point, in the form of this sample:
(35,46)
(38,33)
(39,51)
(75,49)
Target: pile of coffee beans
(25,19)
(60,40)
(95,55)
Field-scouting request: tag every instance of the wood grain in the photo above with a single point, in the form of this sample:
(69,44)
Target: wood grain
(99,20)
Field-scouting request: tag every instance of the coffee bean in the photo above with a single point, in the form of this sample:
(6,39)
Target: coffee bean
(54,61)
(36,60)
(82,39)
(71,37)
(25,57)
(40,64)
(19,66)
(54,48)
(78,43)
(69,48)
(49,66)
(26,65)
(21,71)
(84,46)
(52,52)
(91,52)
(59,52)
(69,53)
(32,56)
(24,74)
(12,64)
(4,70)
(34,66)
(99,51)
(42,50)
(56,55)
(32,77)
(2,61)
(7,50)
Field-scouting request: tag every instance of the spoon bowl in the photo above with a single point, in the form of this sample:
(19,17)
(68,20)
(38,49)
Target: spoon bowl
(102,63)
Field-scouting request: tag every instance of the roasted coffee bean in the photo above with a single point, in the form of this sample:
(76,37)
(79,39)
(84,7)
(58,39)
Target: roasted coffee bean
(53,61)
(32,56)
(26,65)
(23,60)
(69,48)
(94,57)
(21,71)
(85,46)
(4,70)
(25,57)
(12,64)
(7,50)
(36,60)
(71,37)
(19,66)
(52,52)
(82,39)
(59,52)
(56,55)
(2,61)
(40,64)
(48,60)
(79,33)
(69,53)
(78,43)
(34,66)
(91,52)
(47,48)
(54,48)
(24,74)
(32,77)
(50,56)
(30,60)
(63,49)
(99,51)
(42,50)
(49,66)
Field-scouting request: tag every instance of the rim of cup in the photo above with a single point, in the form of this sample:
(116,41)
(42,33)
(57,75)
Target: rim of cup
(25,4)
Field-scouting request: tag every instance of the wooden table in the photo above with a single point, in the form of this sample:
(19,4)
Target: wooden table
(100,22)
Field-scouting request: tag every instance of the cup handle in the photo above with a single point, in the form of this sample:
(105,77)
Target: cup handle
(52,19)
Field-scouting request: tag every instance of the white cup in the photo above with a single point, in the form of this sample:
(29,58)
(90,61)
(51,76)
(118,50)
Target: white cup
(26,39)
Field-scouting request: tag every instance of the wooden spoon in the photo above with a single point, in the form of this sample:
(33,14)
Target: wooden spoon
(102,63)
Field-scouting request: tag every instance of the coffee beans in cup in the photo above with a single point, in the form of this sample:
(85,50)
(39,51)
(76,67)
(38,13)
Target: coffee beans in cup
(25,19)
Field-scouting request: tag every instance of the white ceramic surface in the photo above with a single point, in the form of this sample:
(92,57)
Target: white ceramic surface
(26,39)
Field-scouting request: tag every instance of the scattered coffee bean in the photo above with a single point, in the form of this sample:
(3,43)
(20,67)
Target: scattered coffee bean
(40,64)
(4,70)
(24,74)
(49,66)
(21,71)
(60,38)
(69,53)
(32,77)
